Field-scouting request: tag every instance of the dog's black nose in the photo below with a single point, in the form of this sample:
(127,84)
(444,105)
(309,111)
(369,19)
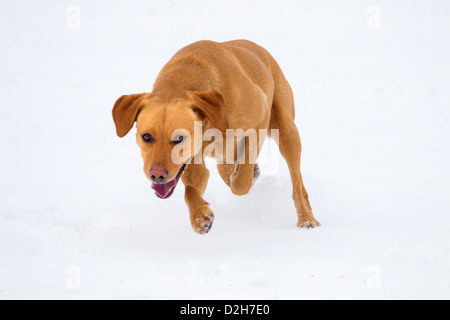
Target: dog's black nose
(158,175)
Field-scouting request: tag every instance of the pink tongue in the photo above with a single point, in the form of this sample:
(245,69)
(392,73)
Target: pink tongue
(163,189)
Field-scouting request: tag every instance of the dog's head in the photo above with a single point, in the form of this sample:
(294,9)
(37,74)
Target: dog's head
(163,125)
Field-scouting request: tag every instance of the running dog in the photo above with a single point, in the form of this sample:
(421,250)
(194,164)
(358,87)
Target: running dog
(221,86)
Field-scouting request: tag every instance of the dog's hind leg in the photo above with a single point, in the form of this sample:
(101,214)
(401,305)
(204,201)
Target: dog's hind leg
(195,179)
(290,147)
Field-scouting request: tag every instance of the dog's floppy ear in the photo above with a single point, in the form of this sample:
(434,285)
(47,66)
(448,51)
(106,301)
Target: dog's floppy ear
(211,105)
(125,112)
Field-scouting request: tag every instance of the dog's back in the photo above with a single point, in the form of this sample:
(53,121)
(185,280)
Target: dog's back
(247,75)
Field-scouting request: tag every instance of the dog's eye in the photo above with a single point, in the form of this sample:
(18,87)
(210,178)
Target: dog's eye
(147,138)
(178,139)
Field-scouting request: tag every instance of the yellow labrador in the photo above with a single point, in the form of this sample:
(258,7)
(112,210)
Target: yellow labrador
(221,86)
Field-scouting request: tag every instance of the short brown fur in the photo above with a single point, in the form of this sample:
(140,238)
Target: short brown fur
(229,85)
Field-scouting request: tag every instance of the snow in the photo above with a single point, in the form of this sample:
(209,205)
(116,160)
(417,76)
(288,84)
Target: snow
(78,219)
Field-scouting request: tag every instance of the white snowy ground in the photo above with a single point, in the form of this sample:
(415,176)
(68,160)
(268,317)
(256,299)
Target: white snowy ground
(373,108)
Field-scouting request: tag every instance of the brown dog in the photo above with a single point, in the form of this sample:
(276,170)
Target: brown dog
(222,86)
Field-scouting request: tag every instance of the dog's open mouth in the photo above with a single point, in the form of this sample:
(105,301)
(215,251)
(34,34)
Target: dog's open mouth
(165,190)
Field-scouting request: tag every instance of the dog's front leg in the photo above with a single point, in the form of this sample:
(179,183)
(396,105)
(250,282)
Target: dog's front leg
(246,171)
(195,179)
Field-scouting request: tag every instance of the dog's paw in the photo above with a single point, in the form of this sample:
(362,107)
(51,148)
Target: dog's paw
(256,173)
(308,223)
(202,220)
